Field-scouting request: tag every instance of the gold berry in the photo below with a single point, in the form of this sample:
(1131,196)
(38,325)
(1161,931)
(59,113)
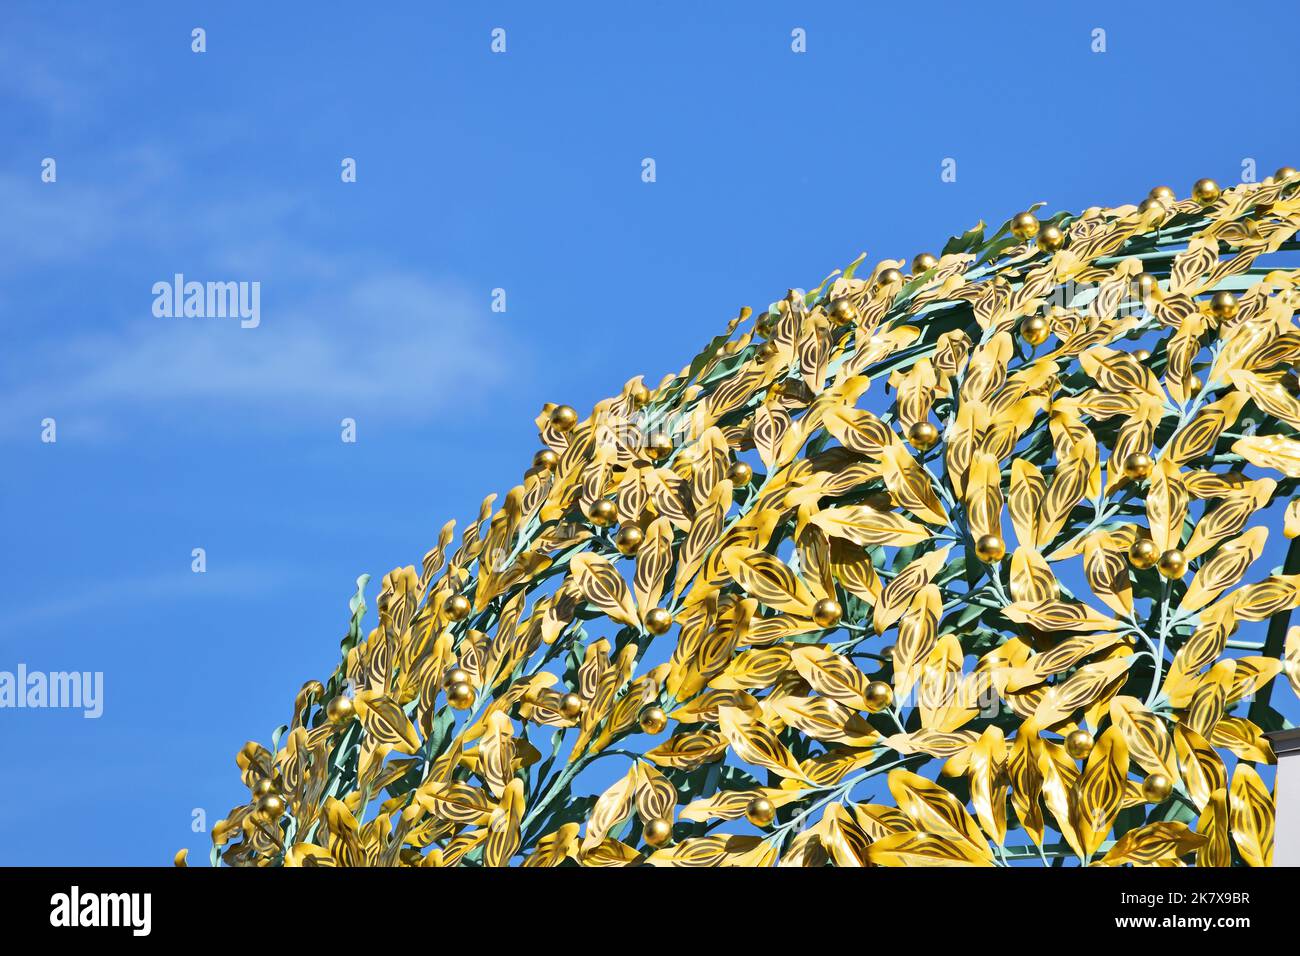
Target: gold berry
(460,696)
(842,310)
(270,808)
(456,676)
(546,459)
(879,696)
(1223,305)
(1050,238)
(1172,564)
(740,474)
(923,436)
(658,621)
(989,548)
(653,719)
(827,612)
(629,539)
(657,832)
(340,710)
(760,812)
(1079,744)
(1137,466)
(1035,330)
(570,705)
(1024,225)
(1206,191)
(887,277)
(1162,194)
(1157,787)
(1143,554)
(922,262)
(602,513)
(659,447)
(457,607)
(563,418)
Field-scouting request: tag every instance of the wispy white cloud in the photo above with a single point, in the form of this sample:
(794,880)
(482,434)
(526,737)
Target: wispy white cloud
(240,581)
(394,343)
(338,336)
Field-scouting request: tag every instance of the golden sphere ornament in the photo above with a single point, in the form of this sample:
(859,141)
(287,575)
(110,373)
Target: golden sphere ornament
(1137,466)
(628,540)
(740,474)
(1156,788)
(658,620)
(1146,284)
(888,277)
(1194,384)
(1223,305)
(659,447)
(657,832)
(456,676)
(760,812)
(1035,330)
(1024,225)
(340,710)
(563,418)
(923,436)
(842,310)
(1284,173)
(1143,554)
(879,696)
(270,808)
(827,612)
(1172,564)
(1079,744)
(457,607)
(546,459)
(1162,194)
(602,513)
(923,262)
(1206,191)
(570,705)
(652,719)
(990,549)
(1050,238)
(1142,355)
(460,696)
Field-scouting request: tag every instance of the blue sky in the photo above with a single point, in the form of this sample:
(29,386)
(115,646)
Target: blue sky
(475,171)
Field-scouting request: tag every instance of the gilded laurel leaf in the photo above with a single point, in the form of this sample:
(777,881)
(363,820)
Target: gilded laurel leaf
(1154,843)
(769,580)
(1251,816)
(599,583)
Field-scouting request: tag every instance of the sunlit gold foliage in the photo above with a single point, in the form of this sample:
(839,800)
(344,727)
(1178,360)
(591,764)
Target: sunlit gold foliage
(740,617)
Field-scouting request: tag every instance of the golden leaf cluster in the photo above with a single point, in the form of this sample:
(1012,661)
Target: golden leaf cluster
(948,565)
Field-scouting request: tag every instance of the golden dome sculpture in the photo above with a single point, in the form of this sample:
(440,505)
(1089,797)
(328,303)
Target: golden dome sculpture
(876,579)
